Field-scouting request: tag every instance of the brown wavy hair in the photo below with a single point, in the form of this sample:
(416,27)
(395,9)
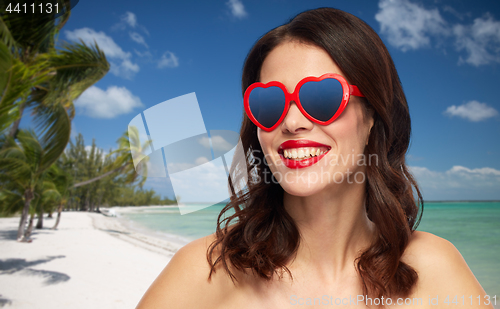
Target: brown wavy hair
(261,236)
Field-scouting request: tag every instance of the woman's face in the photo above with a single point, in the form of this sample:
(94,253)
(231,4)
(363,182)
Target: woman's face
(343,140)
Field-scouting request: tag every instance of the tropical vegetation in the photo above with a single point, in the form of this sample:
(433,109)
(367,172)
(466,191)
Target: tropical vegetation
(42,76)
(121,184)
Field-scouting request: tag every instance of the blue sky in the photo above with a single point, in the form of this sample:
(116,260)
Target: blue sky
(447,54)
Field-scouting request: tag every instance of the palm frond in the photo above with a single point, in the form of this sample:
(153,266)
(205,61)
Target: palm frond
(15,171)
(33,150)
(55,127)
(33,33)
(6,37)
(5,65)
(20,80)
(10,202)
(20,162)
(129,147)
(48,192)
(77,67)
(61,179)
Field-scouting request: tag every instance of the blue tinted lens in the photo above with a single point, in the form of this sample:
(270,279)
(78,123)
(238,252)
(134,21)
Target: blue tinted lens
(267,105)
(321,99)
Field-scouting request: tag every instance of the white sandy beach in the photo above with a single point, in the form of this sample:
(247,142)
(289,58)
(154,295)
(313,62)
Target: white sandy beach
(91,261)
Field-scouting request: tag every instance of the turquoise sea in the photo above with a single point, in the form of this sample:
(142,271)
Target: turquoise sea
(473,227)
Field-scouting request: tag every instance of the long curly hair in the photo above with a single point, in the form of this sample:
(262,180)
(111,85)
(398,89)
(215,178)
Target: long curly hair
(261,236)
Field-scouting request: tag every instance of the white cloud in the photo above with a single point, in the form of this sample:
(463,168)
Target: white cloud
(121,65)
(201,160)
(472,111)
(168,60)
(179,167)
(459,182)
(209,179)
(125,69)
(218,143)
(408,25)
(115,101)
(130,19)
(143,54)
(237,8)
(205,142)
(182,166)
(74,131)
(481,41)
(105,42)
(98,151)
(139,39)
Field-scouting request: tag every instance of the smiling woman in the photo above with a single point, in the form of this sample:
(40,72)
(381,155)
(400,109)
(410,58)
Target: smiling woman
(317,218)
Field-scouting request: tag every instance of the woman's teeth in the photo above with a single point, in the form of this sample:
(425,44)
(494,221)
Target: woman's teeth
(302,153)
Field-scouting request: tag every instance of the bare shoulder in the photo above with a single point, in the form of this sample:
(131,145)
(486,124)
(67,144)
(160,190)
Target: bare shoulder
(184,282)
(428,251)
(442,271)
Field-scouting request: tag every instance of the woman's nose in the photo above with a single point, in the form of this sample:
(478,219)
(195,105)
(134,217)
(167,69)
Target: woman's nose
(295,121)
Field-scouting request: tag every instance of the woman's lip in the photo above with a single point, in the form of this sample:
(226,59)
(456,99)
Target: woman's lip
(300,143)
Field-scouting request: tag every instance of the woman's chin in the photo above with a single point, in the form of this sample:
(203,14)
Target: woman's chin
(302,188)
(311,182)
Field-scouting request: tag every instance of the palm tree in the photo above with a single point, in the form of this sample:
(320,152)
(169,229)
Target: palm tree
(116,169)
(23,166)
(129,147)
(37,72)
(49,194)
(45,196)
(63,181)
(11,200)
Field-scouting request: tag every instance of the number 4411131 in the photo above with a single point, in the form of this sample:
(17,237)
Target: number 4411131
(41,8)
(472,300)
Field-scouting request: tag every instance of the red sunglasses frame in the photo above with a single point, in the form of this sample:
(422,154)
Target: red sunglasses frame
(347,89)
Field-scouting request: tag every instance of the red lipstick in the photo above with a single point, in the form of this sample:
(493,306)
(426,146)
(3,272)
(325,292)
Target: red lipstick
(290,163)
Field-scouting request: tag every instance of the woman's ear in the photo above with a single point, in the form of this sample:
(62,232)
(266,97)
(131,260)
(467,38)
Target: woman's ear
(370,114)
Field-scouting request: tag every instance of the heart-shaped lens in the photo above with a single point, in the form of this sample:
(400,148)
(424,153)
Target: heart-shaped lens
(267,105)
(321,99)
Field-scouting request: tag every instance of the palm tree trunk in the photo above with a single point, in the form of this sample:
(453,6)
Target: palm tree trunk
(99,201)
(30,228)
(28,196)
(15,125)
(39,223)
(59,210)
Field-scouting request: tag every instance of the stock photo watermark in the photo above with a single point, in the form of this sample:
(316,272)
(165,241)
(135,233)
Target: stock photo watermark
(329,300)
(321,174)
(365,300)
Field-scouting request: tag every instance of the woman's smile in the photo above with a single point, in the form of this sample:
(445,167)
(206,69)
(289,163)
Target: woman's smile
(301,153)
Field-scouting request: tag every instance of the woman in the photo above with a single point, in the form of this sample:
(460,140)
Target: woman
(326,116)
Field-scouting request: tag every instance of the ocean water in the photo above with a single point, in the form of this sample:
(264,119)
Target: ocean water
(168,221)
(473,227)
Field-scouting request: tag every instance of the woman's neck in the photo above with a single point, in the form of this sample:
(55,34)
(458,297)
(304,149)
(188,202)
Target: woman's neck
(334,228)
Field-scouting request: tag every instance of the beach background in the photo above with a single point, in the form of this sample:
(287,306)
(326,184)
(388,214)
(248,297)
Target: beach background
(95,261)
